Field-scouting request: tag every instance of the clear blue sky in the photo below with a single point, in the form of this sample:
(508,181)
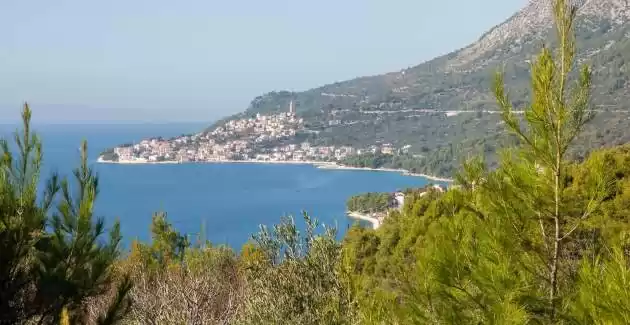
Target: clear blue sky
(165,60)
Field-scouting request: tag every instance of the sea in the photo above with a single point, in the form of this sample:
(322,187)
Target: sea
(227,203)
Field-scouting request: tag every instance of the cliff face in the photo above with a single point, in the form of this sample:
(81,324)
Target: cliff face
(533,23)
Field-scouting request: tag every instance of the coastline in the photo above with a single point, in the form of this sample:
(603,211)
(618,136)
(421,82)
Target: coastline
(100,160)
(317,164)
(402,171)
(360,216)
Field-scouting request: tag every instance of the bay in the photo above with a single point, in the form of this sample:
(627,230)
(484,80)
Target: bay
(229,201)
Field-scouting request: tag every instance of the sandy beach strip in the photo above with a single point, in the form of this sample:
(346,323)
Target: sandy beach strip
(318,164)
(402,171)
(360,216)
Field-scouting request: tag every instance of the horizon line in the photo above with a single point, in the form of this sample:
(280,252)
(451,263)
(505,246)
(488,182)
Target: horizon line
(106,122)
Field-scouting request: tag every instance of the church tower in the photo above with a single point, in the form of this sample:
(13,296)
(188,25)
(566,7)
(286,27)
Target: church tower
(291,107)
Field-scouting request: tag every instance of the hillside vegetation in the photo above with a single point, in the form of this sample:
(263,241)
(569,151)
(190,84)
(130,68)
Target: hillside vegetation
(408,107)
(369,202)
(540,239)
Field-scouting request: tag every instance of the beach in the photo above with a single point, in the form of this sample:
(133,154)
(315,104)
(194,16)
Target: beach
(402,171)
(360,216)
(318,164)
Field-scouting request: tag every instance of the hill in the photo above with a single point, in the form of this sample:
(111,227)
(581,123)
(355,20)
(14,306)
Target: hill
(444,107)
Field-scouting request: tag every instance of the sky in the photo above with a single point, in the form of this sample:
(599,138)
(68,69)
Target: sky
(198,60)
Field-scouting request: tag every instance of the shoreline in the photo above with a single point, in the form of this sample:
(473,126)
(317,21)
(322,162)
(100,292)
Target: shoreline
(100,160)
(360,216)
(402,171)
(316,164)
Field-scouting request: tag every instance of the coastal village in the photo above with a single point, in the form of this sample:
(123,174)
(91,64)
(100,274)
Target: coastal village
(263,138)
(255,139)
(251,140)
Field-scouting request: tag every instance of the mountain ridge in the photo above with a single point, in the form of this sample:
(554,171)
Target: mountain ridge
(536,18)
(408,106)
(526,27)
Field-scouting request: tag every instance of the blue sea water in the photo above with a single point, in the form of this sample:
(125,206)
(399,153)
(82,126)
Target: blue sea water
(230,200)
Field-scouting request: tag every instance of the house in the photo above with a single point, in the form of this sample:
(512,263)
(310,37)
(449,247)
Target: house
(387,149)
(298,155)
(399,197)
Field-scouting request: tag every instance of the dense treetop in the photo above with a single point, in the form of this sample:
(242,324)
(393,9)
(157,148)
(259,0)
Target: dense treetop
(529,237)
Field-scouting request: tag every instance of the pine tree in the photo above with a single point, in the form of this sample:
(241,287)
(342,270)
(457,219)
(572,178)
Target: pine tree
(51,262)
(168,245)
(22,221)
(554,119)
(75,263)
(527,223)
(509,244)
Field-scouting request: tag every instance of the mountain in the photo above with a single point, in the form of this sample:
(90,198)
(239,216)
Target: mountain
(461,78)
(409,106)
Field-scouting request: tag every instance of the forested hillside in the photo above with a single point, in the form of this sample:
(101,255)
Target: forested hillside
(539,239)
(450,259)
(462,79)
(409,107)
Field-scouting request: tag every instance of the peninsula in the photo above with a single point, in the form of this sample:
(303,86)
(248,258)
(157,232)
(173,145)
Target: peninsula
(274,138)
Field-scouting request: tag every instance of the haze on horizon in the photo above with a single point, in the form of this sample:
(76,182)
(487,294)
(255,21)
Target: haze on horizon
(199,60)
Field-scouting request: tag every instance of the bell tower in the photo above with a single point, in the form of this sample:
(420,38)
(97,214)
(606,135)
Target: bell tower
(292,107)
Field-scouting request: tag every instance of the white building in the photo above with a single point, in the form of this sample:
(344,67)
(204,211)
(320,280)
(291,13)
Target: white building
(400,199)
(291,107)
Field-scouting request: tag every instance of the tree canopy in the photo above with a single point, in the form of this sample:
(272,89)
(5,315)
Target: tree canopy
(532,237)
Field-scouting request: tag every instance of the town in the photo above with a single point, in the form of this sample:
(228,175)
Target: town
(256,139)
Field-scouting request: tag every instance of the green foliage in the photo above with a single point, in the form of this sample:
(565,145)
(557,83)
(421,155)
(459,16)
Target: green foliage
(47,272)
(73,263)
(407,107)
(369,160)
(369,202)
(382,261)
(22,221)
(414,267)
(120,306)
(176,283)
(602,296)
(533,193)
(440,162)
(539,240)
(524,237)
(168,245)
(299,280)
(109,155)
